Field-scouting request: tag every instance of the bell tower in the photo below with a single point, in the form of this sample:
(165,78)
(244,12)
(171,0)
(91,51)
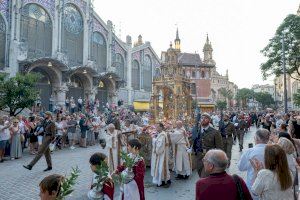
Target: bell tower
(207,50)
(177,41)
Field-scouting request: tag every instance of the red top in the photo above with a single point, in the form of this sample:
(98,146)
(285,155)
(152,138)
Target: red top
(219,186)
(108,189)
(139,173)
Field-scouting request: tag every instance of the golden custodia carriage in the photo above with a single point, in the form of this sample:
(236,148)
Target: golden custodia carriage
(173,89)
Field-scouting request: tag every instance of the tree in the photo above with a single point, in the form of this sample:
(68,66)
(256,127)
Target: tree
(18,92)
(296,97)
(227,94)
(273,51)
(264,98)
(244,95)
(221,105)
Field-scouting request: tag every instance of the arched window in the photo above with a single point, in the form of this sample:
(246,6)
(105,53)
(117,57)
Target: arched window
(2,42)
(135,75)
(147,74)
(36,31)
(99,51)
(202,74)
(119,64)
(72,37)
(193,74)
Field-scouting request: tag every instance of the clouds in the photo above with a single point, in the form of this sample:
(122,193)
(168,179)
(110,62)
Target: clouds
(238,29)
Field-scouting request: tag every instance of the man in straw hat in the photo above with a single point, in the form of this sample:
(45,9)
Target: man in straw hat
(49,134)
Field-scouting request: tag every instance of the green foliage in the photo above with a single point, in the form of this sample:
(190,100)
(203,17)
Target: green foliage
(296,97)
(273,51)
(221,105)
(128,161)
(68,184)
(102,172)
(244,95)
(264,98)
(18,92)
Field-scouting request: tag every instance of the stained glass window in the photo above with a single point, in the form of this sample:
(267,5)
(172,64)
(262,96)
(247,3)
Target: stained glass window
(38,13)
(36,31)
(73,20)
(135,75)
(120,66)
(72,36)
(99,51)
(147,73)
(2,42)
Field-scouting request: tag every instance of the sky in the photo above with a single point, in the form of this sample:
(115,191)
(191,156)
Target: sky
(237,29)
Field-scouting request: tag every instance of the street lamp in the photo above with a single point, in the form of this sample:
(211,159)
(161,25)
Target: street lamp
(284,71)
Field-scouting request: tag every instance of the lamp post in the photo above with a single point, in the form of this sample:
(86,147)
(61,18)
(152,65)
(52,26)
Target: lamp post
(284,72)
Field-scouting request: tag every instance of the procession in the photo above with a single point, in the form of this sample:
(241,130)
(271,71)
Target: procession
(141,100)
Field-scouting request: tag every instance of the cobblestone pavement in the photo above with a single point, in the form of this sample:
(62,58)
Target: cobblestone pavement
(17,183)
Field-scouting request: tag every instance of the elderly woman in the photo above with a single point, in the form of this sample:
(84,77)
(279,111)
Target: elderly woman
(290,151)
(16,146)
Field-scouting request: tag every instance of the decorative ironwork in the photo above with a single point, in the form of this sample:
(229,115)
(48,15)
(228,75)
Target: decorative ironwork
(73,21)
(2,25)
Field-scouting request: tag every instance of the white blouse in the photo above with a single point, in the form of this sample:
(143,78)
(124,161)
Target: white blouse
(267,187)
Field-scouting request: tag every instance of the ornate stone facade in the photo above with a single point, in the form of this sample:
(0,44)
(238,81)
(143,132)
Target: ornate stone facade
(76,57)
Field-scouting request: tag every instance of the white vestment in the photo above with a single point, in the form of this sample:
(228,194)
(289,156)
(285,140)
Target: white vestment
(182,157)
(113,150)
(159,160)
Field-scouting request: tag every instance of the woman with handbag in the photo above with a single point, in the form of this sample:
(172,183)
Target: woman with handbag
(33,139)
(16,140)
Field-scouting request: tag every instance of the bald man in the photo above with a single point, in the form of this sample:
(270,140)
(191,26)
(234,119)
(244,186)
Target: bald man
(182,159)
(219,184)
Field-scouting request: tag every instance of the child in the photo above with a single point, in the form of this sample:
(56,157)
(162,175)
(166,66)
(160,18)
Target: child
(134,190)
(106,191)
(50,187)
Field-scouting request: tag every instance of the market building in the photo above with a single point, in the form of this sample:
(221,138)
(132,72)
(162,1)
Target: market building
(78,54)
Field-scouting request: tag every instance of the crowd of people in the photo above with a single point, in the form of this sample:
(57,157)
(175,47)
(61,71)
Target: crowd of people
(168,147)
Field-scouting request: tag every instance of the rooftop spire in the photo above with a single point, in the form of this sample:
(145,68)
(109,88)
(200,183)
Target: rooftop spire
(177,34)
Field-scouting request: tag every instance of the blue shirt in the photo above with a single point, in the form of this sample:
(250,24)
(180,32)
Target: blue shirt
(258,152)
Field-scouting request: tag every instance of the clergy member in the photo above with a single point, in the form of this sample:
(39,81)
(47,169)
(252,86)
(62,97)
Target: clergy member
(159,160)
(181,151)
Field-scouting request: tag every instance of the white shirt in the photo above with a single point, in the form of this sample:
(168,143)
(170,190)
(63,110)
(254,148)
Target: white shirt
(267,187)
(258,152)
(4,133)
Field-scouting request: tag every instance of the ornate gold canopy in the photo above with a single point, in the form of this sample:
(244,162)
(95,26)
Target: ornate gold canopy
(172,89)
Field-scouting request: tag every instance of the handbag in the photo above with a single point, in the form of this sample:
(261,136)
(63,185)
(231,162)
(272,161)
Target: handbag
(239,187)
(22,138)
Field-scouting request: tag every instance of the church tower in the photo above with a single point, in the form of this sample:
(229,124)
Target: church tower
(177,41)
(207,50)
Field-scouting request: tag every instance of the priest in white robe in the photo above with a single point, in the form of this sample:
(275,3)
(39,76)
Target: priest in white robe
(113,147)
(159,159)
(183,163)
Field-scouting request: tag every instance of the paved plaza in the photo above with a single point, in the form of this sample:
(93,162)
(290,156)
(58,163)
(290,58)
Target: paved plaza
(17,183)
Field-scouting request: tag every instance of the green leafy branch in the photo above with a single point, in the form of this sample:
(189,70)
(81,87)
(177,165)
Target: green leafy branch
(102,172)
(68,184)
(128,161)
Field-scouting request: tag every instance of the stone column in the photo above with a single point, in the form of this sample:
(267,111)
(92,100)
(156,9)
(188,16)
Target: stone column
(60,95)
(109,45)
(129,68)
(56,33)
(14,38)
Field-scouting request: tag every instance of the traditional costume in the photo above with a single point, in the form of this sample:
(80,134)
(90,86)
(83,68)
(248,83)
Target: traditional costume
(113,147)
(182,157)
(134,189)
(103,192)
(159,160)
